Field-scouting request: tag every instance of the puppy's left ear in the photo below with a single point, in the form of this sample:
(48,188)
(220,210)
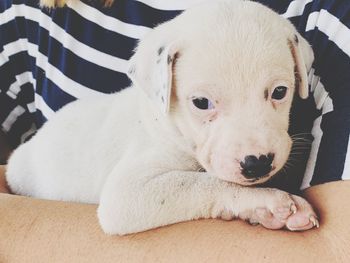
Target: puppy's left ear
(303,58)
(151,69)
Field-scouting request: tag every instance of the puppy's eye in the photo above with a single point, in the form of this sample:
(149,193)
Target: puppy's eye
(279,93)
(202,103)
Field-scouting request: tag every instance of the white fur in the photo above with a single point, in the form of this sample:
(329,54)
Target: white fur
(139,155)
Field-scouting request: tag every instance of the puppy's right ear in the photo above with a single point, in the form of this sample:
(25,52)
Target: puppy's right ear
(303,58)
(151,69)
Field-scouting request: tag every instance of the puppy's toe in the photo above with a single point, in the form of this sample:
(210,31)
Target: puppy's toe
(273,209)
(226,215)
(283,206)
(305,218)
(283,212)
(267,219)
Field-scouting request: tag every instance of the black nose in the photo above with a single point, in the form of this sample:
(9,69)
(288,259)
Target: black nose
(252,167)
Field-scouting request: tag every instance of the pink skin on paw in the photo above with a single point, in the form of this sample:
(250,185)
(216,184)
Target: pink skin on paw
(299,217)
(267,219)
(304,219)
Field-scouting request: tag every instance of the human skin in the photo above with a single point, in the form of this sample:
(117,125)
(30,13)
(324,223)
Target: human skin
(3,185)
(33,230)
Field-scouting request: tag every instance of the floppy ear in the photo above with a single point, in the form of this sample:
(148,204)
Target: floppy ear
(303,57)
(151,69)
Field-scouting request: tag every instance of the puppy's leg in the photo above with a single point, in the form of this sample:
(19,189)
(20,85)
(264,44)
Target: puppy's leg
(132,203)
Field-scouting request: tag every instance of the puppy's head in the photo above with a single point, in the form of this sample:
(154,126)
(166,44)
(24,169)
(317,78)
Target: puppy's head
(225,73)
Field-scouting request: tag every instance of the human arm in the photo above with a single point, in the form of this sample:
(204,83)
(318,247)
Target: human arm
(3,184)
(51,231)
(69,231)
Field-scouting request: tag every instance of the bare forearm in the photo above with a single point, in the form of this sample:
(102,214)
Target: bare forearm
(33,229)
(332,202)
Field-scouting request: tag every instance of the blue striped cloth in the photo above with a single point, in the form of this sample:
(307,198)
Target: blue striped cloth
(49,58)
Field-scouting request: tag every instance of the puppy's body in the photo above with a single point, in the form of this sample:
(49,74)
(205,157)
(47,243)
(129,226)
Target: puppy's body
(78,133)
(138,153)
(80,146)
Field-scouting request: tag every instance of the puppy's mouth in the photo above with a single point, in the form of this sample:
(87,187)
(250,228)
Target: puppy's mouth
(251,171)
(262,179)
(258,180)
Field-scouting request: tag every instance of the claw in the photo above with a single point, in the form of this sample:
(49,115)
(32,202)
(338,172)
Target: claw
(293,208)
(314,221)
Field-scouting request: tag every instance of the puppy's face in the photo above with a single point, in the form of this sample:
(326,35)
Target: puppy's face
(228,83)
(234,105)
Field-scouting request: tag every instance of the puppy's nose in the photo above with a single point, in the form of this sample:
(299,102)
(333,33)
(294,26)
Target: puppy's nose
(254,167)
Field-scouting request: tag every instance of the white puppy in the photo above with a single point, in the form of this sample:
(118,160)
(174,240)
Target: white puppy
(212,89)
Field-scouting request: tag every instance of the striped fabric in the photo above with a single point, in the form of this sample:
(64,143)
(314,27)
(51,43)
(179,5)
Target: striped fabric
(49,58)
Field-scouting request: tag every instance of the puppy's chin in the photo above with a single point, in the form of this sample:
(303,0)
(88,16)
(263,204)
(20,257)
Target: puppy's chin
(255,182)
(241,180)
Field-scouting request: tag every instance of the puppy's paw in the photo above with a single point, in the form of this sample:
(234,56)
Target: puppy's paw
(273,208)
(277,209)
(305,218)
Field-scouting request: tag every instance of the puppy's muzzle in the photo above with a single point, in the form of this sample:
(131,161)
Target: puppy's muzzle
(254,167)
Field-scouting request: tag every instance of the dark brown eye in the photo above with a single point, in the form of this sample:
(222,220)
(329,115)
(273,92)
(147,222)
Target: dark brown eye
(279,93)
(202,103)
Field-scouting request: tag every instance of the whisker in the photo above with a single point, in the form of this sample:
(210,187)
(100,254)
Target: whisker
(301,133)
(301,141)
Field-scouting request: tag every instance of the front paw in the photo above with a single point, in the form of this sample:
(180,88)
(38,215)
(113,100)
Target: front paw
(277,209)
(305,218)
